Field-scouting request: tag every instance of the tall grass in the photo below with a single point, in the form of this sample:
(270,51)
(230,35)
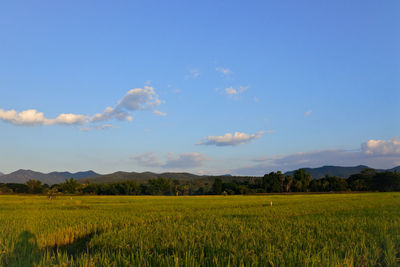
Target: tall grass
(298,230)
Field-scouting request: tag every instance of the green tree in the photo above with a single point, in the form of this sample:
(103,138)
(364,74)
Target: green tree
(70,186)
(18,188)
(288,182)
(304,178)
(35,186)
(217,186)
(316,186)
(4,189)
(273,182)
(386,181)
(298,186)
(362,181)
(282,179)
(161,186)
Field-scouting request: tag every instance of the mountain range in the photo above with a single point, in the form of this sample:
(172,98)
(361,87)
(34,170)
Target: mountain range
(343,172)
(22,176)
(141,177)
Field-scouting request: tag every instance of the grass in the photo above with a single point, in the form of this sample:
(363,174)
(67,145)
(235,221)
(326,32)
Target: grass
(298,230)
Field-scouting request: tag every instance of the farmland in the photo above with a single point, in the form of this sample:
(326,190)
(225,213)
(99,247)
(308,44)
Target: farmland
(298,230)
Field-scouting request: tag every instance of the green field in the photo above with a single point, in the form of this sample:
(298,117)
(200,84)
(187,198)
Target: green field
(298,230)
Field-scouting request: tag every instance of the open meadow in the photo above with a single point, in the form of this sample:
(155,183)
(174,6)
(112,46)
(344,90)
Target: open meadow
(298,230)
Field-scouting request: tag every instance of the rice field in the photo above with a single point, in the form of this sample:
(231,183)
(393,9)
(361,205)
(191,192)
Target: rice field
(298,230)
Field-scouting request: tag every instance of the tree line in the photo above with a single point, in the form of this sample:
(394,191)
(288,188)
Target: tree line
(274,182)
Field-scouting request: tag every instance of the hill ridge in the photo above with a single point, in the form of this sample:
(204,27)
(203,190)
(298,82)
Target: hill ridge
(22,175)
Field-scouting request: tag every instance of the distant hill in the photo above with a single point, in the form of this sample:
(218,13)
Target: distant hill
(316,173)
(1,174)
(22,176)
(76,175)
(140,177)
(395,169)
(343,172)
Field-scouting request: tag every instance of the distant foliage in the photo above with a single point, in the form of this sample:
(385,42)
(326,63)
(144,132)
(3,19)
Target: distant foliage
(35,187)
(71,186)
(273,182)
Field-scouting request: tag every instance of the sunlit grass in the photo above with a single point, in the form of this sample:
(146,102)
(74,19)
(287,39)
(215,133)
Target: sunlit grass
(298,230)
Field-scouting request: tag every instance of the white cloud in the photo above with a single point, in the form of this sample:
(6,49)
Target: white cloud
(230,139)
(308,112)
(69,119)
(135,99)
(230,91)
(381,147)
(32,117)
(26,117)
(172,161)
(224,71)
(111,113)
(140,99)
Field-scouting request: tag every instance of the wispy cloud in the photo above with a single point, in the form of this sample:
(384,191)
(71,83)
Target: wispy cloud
(231,92)
(135,99)
(373,153)
(174,89)
(185,160)
(225,71)
(308,112)
(97,127)
(148,159)
(171,160)
(229,139)
(193,74)
(159,113)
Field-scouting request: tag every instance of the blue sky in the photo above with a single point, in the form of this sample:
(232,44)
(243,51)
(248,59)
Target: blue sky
(209,87)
